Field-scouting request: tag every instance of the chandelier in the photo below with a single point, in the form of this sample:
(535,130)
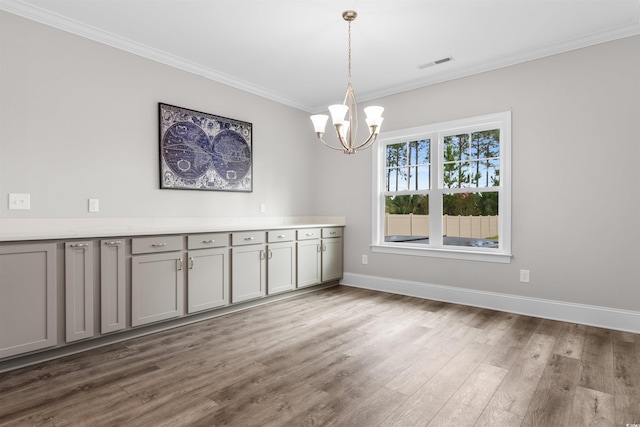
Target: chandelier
(347,130)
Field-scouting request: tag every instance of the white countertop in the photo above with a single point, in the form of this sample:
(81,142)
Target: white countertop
(22,229)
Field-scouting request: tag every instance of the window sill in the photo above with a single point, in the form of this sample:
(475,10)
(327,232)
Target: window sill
(468,255)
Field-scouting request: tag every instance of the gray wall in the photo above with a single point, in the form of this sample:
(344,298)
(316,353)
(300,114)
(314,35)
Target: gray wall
(79,120)
(576,192)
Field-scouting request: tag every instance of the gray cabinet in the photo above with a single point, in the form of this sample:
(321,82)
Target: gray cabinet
(60,292)
(28,299)
(281,261)
(78,290)
(208,271)
(112,286)
(248,266)
(157,279)
(308,257)
(332,254)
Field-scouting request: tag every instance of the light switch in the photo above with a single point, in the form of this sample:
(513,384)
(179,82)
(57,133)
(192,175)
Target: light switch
(94,205)
(20,201)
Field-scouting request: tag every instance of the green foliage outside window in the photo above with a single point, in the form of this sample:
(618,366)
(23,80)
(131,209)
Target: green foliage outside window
(404,205)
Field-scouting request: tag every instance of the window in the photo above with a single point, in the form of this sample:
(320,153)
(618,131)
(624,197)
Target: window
(443,190)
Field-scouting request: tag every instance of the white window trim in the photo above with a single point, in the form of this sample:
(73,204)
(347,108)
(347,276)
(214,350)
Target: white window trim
(501,255)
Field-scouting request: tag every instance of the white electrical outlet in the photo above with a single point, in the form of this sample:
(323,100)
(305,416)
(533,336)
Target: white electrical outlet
(19,201)
(365,259)
(524,276)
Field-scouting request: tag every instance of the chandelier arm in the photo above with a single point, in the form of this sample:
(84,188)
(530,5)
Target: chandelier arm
(329,145)
(353,128)
(345,146)
(350,101)
(372,138)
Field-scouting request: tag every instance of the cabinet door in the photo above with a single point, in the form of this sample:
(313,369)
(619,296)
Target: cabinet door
(248,272)
(157,287)
(208,279)
(281,267)
(308,264)
(112,286)
(78,288)
(331,259)
(27,298)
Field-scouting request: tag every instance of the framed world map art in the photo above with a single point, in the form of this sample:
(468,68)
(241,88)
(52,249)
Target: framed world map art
(200,151)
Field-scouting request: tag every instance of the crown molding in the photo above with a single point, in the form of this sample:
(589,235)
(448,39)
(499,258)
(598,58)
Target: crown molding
(42,16)
(63,23)
(515,59)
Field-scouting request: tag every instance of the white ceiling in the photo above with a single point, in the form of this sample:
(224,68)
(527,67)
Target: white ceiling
(295,51)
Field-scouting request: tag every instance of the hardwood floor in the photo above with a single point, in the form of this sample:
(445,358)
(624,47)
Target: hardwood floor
(342,357)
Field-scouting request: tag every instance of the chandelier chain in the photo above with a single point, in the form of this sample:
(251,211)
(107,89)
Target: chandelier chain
(349,54)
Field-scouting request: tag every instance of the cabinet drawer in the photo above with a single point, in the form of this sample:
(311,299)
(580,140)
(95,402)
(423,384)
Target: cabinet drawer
(331,232)
(145,245)
(275,236)
(211,240)
(248,238)
(308,233)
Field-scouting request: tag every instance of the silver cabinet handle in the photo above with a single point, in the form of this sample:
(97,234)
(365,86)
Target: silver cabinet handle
(190,263)
(261,254)
(270,254)
(208,241)
(113,243)
(282,236)
(318,248)
(332,232)
(249,238)
(79,245)
(310,234)
(324,247)
(158,245)
(179,264)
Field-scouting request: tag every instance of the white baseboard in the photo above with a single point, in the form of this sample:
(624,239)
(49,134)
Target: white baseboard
(603,317)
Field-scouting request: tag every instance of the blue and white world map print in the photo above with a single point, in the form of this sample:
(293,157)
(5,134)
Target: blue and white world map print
(202,151)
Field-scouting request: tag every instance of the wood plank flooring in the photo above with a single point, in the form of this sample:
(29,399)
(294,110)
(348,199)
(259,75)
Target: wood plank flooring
(342,357)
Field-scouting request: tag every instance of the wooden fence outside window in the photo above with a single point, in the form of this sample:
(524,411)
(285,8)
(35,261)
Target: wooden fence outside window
(479,227)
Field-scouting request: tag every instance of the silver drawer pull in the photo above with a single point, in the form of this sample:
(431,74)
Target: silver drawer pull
(282,236)
(79,245)
(310,234)
(113,243)
(332,232)
(208,241)
(158,245)
(249,238)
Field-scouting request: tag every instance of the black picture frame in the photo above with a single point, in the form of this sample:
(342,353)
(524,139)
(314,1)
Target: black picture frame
(202,151)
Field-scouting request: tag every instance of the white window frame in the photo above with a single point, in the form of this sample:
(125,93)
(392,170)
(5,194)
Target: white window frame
(436,133)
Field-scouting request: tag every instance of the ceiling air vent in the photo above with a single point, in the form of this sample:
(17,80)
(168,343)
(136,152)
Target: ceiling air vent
(438,62)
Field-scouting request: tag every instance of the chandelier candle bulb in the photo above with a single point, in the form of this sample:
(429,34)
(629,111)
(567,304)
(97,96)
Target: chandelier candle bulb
(374,113)
(338,112)
(319,122)
(374,125)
